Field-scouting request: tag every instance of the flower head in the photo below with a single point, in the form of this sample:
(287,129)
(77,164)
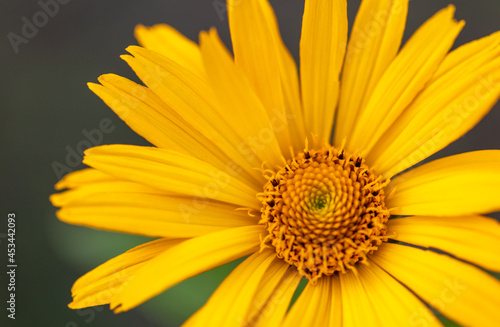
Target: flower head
(310,176)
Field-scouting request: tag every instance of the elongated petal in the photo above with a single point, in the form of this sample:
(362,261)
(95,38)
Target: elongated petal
(375,40)
(293,105)
(149,117)
(243,109)
(463,90)
(458,290)
(258,51)
(462,184)
(241,287)
(273,298)
(167,41)
(318,305)
(101,188)
(357,309)
(100,285)
(407,75)
(152,215)
(394,304)
(254,35)
(472,238)
(171,172)
(82,177)
(322,48)
(192,98)
(469,53)
(186,260)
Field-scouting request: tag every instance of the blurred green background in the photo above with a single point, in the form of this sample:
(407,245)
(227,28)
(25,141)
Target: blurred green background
(46,106)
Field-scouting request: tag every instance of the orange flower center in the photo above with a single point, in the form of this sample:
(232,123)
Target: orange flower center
(324,212)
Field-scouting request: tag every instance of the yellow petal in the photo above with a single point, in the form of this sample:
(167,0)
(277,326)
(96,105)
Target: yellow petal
(274,294)
(192,98)
(405,78)
(468,54)
(241,106)
(472,238)
(240,299)
(394,304)
(102,201)
(149,117)
(82,177)
(101,188)
(462,184)
(186,260)
(259,308)
(375,40)
(458,290)
(167,41)
(462,91)
(171,172)
(317,305)
(322,48)
(293,105)
(357,309)
(258,50)
(152,215)
(254,35)
(100,285)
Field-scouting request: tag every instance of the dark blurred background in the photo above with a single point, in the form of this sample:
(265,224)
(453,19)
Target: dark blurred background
(46,106)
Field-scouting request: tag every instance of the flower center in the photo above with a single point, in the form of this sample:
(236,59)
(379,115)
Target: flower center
(324,212)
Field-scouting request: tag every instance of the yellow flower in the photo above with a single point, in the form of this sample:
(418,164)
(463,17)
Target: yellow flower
(310,178)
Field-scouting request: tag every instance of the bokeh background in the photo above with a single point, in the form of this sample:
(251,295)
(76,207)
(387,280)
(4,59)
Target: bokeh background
(46,107)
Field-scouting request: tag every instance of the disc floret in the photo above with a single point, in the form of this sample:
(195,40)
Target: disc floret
(324,212)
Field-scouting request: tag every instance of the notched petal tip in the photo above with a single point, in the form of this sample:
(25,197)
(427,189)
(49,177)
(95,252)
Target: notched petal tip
(116,306)
(96,150)
(88,152)
(92,85)
(450,11)
(134,49)
(203,36)
(126,58)
(106,77)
